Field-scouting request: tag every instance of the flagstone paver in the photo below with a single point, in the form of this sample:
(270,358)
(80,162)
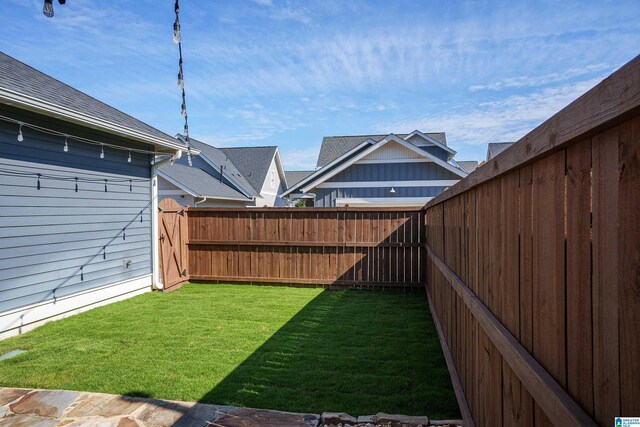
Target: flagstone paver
(48,408)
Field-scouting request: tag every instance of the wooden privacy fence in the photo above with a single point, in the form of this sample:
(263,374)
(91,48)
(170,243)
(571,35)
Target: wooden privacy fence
(533,269)
(334,247)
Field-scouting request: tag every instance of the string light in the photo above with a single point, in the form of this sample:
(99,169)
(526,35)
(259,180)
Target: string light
(20,137)
(66,144)
(102,152)
(177,38)
(68,137)
(129,158)
(47,9)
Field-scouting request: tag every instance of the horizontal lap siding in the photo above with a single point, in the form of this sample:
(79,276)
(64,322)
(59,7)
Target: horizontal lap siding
(326,197)
(52,240)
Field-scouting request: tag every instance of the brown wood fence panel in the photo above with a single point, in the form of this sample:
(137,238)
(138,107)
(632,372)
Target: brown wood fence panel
(533,269)
(342,247)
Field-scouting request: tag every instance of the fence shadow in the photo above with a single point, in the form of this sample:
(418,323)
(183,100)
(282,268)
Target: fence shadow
(358,352)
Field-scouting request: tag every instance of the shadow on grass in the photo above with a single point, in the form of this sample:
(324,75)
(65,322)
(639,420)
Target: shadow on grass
(360,352)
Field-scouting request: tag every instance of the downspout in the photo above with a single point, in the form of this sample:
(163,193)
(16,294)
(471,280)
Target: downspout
(155,249)
(204,199)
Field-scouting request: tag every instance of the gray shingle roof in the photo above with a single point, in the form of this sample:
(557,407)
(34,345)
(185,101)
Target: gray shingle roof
(335,146)
(252,162)
(219,157)
(25,80)
(199,182)
(468,165)
(294,177)
(495,148)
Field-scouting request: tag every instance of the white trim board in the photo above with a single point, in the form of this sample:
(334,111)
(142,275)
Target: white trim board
(430,140)
(378,184)
(23,319)
(387,161)
(383,201)
(374,147)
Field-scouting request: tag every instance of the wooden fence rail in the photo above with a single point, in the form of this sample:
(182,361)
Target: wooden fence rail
(341,247)
(533,269)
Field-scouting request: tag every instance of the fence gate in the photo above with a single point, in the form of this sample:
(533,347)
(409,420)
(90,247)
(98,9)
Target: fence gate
(172,234)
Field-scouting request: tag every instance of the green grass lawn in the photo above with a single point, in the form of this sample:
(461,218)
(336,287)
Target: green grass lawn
(292,349)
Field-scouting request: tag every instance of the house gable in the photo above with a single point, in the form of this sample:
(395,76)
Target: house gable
(320,177)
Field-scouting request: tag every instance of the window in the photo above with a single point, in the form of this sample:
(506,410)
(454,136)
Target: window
(273,179)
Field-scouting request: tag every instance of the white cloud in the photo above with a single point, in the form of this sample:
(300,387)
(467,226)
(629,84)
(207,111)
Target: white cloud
(532,81)
(508,119)
(300,159)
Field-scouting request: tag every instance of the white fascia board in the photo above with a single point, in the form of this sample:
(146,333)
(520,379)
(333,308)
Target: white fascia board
(177,184)
(280,166)
(217,169)
(329,165)
(380,144)
(340,201)
(388,161)
(52,110)
(379,184)
(431,140)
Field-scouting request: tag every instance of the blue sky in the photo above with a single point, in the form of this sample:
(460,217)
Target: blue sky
(287,73)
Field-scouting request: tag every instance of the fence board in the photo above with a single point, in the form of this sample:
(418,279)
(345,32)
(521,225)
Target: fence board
(367,248)
(544,253)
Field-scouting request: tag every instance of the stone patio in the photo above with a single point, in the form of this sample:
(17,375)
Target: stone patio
(45,408)
(49,408)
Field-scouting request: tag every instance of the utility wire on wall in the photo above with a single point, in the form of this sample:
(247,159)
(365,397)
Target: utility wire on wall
(177,38)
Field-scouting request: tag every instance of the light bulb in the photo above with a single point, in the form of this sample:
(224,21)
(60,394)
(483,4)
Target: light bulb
(183,113)
(186,131)
(102,152)
(47,9)
(180,80)
(189,158)
(176,32)
(129,159)
(20,137)
(66,145)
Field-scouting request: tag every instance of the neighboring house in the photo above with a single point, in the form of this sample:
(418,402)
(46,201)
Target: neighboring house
(468,165)
(262,167)
(225,177)
(294,177)
(77,221)
(382,170)
(495,148)
(211,181)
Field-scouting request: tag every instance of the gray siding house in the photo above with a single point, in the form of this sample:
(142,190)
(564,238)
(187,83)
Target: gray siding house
(225,177)
(382,170)
(77,200)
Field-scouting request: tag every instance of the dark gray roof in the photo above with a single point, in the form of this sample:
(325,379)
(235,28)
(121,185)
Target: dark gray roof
(219,157)
(252,162)
(25,80)
(468,165)
(199,183)
(335,146)
(294,177)
(496,148)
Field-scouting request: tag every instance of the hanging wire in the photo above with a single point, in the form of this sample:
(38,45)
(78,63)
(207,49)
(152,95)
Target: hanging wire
(68,137)
(177,38)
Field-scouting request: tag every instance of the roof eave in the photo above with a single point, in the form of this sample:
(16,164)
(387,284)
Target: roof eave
(45,108)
